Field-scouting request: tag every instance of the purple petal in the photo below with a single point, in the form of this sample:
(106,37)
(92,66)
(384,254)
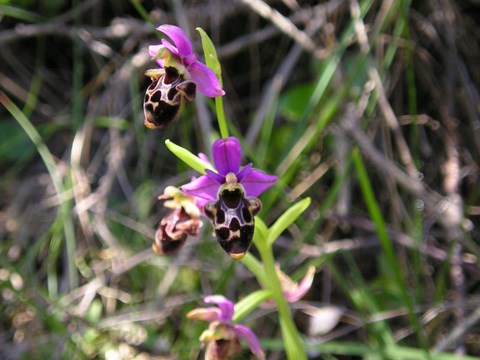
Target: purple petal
(183,45)
(226,155)
(201,203)
(244,172)
(167,45)
(225,305)
(303,287)
(153,50)
(206,80)
(202,187)
(249,336)
(256,182)
(190,59)
(215,177)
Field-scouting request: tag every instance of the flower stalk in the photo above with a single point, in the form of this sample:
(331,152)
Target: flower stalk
(222,122)
(294,347)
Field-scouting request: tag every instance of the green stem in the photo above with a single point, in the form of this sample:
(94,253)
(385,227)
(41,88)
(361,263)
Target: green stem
(255,267)
(222,122)
(294,346)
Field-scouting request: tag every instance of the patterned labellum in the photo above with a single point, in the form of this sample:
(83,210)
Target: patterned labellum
(164,96)
(233,215)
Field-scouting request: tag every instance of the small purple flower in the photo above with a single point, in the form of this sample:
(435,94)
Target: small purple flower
(179,55)
(222,336)
(227,154)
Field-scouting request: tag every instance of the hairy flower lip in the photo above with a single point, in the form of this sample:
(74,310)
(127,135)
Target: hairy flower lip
(179,54)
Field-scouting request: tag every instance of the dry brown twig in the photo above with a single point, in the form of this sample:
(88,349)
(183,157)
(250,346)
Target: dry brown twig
(302,15)
(286,26)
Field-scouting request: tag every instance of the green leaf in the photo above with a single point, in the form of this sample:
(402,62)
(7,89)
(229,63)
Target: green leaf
(287,218)
(188,158)
(210,54)
(250,303)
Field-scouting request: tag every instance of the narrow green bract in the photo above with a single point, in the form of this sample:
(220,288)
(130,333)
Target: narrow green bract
(188,158)
(210,54)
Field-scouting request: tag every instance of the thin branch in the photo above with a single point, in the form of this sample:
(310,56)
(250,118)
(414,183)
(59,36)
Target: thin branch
(286,26)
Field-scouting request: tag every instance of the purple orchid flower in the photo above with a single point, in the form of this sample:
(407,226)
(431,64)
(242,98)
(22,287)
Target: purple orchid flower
(227,154)
(222,336)
(229,196)
(180,56)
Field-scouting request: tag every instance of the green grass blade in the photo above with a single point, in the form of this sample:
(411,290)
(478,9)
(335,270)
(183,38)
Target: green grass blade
(49,161)
(20,14)
(361,297)
(386,243)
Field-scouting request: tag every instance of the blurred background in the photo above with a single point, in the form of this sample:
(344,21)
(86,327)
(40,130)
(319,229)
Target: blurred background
(369,107)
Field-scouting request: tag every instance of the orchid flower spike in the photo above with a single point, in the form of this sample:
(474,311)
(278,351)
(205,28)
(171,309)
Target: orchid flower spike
(181,222)
(222,336)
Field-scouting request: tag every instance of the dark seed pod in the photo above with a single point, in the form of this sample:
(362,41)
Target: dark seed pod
(232,215)
(164,95)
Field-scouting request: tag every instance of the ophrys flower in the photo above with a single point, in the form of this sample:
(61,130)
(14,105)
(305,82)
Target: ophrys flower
(222,336)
